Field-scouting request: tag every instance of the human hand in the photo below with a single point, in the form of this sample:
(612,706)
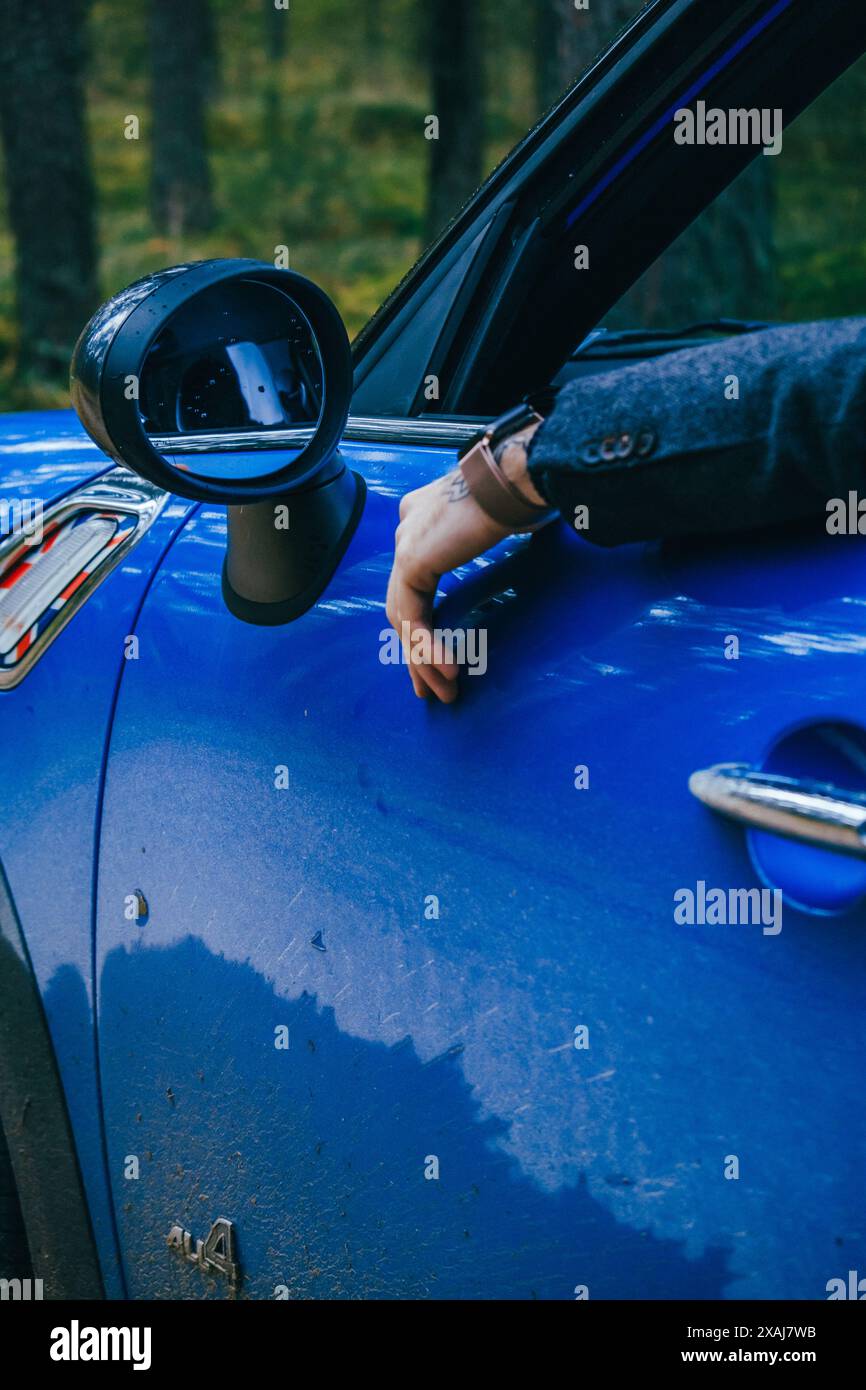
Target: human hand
(442,526)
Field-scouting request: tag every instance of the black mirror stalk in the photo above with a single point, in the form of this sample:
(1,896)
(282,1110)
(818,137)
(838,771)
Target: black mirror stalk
(282,553)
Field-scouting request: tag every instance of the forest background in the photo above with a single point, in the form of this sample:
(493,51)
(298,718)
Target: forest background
(134,136)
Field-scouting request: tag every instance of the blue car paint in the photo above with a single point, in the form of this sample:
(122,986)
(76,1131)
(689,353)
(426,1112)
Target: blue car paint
(54,731)
(480,1047)
(44,454)
(414,1038)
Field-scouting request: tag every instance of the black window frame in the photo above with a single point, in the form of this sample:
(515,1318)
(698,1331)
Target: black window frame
(482,310)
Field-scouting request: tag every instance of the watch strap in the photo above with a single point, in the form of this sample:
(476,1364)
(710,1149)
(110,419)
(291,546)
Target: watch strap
(501,499)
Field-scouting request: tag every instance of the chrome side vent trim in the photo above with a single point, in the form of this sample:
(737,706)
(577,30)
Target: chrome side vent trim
(45,580)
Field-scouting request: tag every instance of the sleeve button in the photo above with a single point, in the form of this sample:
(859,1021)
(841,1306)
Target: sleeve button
(646,441)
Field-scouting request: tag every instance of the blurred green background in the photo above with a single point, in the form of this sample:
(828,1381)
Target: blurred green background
(314,137)
(261,126)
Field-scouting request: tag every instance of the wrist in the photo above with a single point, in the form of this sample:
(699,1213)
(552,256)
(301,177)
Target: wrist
(512,455)
(493,488)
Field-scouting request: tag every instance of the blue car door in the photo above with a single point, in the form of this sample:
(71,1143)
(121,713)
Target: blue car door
(427,1001)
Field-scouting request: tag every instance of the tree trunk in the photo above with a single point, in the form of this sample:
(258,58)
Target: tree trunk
(182,64)
(723,266)
(546,37)
(373,27)
(277,28)
(567,40)
(455,50)
(48,180)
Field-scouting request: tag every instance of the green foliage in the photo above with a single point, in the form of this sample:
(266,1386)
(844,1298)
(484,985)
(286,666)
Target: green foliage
(323,151)
(821,205)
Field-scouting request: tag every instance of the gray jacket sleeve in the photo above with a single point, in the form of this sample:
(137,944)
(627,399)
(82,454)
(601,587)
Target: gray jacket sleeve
(753,431)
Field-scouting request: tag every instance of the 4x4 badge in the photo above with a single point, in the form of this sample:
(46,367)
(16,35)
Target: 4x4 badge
(215,1255)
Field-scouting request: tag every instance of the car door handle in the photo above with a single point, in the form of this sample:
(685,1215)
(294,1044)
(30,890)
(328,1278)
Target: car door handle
(830,817)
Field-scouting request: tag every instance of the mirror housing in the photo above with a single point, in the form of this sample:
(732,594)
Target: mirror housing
(251,367)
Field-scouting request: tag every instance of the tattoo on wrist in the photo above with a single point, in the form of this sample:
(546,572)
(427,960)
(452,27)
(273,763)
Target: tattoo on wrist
(457,487)
(499,450)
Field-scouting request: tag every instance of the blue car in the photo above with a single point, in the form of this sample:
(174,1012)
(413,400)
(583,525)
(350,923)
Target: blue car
(309,989)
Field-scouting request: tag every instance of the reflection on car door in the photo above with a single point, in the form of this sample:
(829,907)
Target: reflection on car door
(411,1007)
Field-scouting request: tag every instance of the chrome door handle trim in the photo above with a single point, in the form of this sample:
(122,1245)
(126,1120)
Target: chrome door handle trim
(816,812)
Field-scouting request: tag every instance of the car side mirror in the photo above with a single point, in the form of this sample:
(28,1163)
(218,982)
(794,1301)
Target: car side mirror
(230,381)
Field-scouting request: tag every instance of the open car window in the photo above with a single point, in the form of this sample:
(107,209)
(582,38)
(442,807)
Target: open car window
(785,242)
(562,235)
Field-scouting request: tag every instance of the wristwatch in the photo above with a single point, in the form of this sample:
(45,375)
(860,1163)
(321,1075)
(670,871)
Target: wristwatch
(495,494)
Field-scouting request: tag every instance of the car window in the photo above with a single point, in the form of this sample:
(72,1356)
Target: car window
(786,241)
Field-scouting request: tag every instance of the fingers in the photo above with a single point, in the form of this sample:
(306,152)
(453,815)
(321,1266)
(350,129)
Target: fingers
(419,685)
(409,611)
(416,635)
(440,528)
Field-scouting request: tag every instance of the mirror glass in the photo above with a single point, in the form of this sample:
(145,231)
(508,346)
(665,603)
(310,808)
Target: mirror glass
(240,356)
